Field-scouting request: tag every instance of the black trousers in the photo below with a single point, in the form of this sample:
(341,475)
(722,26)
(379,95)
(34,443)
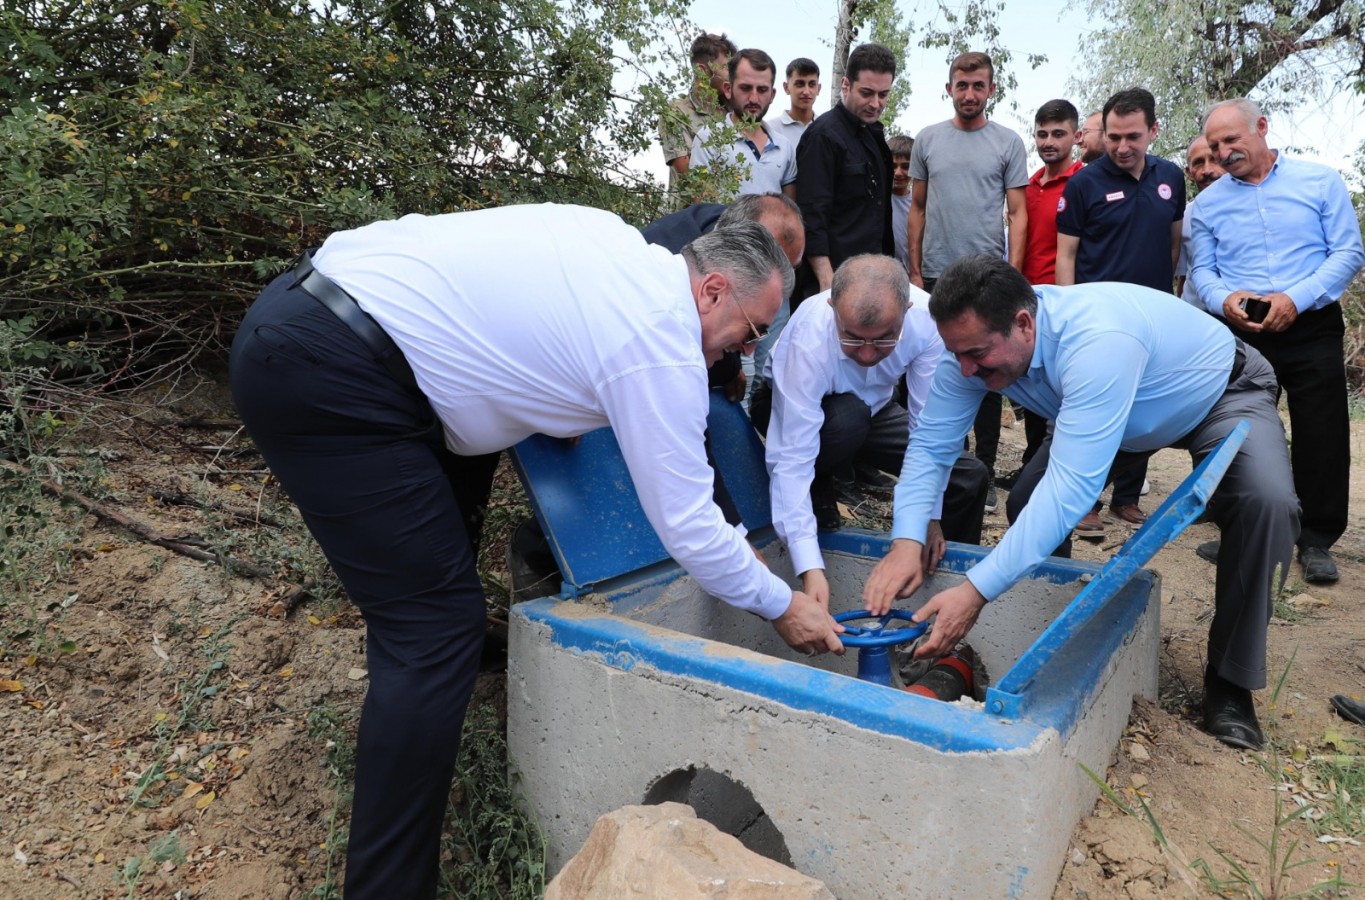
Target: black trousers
(853,433)
(986,430)
(1308,364)
(364,460)
(1035,430)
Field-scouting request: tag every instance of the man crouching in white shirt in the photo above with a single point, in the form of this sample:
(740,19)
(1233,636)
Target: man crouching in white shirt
(827,402)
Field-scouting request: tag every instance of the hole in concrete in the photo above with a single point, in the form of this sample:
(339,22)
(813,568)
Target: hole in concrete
(726,804)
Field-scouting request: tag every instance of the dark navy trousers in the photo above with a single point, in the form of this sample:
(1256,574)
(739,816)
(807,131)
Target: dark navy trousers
(364,459)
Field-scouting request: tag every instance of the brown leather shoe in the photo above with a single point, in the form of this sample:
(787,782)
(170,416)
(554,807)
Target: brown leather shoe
(1128,512)
(1090,527)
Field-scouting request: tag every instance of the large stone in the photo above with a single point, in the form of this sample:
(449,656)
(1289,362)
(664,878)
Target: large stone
(666,851)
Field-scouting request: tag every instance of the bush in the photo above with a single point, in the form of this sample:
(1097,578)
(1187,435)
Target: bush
(165,157)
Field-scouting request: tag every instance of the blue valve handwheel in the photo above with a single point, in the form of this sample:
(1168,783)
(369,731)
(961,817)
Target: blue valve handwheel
(878,635)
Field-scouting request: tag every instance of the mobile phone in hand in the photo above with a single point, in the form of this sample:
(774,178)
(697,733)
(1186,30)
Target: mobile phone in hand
(1256,309)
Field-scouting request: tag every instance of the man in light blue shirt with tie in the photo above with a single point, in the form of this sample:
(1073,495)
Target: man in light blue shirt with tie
(1281,231)
(1116,366)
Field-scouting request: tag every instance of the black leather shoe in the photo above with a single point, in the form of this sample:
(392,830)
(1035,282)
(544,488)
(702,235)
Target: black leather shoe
(873,481)
(1208,551)
(1229,714)
(1348,709)
(1318,567)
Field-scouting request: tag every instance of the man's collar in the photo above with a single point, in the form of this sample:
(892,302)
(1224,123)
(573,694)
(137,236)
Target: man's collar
(698,96)
(854,119)
(1148,164)
(1036,361)
(738,126)
(1037,178)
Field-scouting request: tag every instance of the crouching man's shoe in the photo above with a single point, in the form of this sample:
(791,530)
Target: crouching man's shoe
(1318,566)
(1229,714)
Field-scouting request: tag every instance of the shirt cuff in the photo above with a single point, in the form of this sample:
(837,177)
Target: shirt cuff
(1306,293)
(775,600)
(805,554)
(912,528)
(987,579)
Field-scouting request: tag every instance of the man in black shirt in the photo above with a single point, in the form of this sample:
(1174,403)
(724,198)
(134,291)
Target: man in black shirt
(843,171)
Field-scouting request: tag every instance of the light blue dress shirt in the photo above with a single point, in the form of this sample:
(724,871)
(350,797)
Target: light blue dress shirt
(1294,233)
(1116,366)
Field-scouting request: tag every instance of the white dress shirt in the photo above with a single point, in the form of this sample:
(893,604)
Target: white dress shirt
(805,366)
(559,320)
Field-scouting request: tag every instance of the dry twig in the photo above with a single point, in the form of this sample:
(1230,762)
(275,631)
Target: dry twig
(182,546)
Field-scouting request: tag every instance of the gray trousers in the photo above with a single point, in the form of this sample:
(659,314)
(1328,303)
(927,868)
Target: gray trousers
(1254,506)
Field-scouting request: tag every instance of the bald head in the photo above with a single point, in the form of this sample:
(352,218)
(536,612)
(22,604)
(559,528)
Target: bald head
(870,290)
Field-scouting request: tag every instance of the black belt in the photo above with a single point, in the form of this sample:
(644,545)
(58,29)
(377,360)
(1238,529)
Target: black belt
(344,307)
(1239,359)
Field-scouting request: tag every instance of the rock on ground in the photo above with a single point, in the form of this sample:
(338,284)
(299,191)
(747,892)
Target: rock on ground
(666,851)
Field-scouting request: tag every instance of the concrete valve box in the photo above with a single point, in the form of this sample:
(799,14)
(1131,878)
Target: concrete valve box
(634,686)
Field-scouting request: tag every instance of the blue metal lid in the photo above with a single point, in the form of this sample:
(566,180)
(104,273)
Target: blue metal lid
(585,500)
(1181,508)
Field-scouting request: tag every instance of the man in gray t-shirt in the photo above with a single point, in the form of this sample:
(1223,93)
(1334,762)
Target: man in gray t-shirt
(964,172)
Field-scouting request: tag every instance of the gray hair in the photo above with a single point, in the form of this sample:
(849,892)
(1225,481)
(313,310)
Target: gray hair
(743,252)
(1249,109)
(866,281)
(751,207)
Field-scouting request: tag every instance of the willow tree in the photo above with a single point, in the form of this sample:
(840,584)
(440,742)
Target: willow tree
(1189,53)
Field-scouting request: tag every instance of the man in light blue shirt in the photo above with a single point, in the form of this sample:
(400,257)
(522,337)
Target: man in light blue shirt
(1282,232)
(1115,366)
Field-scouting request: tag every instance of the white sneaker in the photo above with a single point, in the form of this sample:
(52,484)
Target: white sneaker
(1146,488)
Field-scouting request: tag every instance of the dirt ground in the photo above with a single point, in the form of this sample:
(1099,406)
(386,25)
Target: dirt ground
(173,730)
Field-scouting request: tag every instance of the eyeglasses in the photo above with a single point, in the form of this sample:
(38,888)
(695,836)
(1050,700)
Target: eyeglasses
(879,343)
(759,331)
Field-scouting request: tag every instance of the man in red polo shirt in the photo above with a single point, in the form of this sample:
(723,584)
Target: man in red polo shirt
(1056,132)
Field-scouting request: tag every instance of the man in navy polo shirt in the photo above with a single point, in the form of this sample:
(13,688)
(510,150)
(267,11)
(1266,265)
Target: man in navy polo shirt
(1119,220)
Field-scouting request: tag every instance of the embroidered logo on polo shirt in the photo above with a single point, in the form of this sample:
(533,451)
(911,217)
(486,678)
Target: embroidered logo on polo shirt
(1061,204)
(1163,191)
(1116,195)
